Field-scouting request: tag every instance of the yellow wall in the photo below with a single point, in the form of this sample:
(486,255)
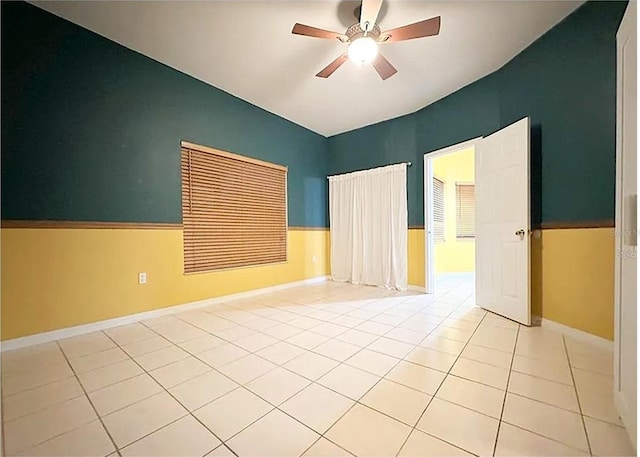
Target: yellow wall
(572,278)
(57,278)
(454,255)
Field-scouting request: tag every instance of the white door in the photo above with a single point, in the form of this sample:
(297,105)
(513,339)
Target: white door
(503,223)
(625,370)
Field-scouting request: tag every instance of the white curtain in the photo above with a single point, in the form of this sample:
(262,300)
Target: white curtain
(368,220)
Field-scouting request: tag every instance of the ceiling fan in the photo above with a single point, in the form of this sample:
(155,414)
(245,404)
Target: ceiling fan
(363,39)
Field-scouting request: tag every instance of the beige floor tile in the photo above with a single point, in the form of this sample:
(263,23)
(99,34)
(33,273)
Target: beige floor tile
(398,401)
(97,360)
(553,393)
(87,440)
(201,344)
(336,350)
(453,333)
(34,400)
(372,362)
(495,338)
(126,334)
(125,393)
(546,420)
(139,419)
(365,432)
(357,337)
(514,441)
(608,439)
(420,444)
(160,321)
(283,331)
(306,323)
(178,331)
(110,374)
(375,328)
(31,430)
(487,355)
(330,330)
(388,319)
(232,412)
(280,353)
(261,324)
(202,389)
(349,381)
(278,385)
(602,364)
(481,372)
(222,355)
(307,340)
(461,324)
(31,358)
(255,342)
(221,451)
(550,369)
(438,343)
(478,397)
(541,345)
(317,407)
(431,358)
(178,372)
(417,377)
(325,448)
(90,343)
(263,438)
(348,321)
(311,365)
(12,384)
(462,427)
(161,357)
(247,368)
(595,392)
(145,346)
(405,335)
(183,438)
(391,347)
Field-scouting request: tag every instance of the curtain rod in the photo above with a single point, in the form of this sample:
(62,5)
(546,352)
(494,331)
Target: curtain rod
(408,164)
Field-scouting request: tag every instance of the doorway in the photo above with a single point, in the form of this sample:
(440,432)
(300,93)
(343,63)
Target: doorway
(450,217)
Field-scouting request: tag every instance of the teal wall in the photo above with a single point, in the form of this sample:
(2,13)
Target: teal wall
(91,130)
(565,81)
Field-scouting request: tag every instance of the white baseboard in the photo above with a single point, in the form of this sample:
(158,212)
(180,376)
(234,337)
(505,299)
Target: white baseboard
(53,335)
(602,343)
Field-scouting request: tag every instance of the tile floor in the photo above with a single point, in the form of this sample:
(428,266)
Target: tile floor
(321,370)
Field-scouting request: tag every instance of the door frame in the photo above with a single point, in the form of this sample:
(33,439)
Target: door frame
(429,254)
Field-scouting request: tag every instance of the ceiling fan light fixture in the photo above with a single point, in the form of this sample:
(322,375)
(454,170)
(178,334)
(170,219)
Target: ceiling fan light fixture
(363,50)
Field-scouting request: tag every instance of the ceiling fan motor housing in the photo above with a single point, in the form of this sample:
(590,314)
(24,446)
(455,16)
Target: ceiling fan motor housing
(355,31)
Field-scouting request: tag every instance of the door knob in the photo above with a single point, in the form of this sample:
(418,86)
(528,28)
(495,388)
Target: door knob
(520,233)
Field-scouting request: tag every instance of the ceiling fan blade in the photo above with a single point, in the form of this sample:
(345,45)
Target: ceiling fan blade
(383,67)
(307,30)
(369,13)
(428,27)
(333,66)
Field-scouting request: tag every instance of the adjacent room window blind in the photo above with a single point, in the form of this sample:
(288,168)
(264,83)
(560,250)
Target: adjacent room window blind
(438,210)
(234,210)
(465,211)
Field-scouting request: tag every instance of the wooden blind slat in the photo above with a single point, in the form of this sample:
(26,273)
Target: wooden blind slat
(438,210)
(465,211)
(234,210)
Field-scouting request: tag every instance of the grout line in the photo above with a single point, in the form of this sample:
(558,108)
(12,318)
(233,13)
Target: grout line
(506,390)
(575,388)
(436,391)
(89,400)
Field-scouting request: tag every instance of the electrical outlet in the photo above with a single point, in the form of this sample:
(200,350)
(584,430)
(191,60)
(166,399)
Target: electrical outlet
(142,278)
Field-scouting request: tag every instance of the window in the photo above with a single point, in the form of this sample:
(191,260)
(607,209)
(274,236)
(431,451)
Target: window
(465,211)
(438,210)
(234,210)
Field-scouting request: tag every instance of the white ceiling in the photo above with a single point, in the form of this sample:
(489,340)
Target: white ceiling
(246,48)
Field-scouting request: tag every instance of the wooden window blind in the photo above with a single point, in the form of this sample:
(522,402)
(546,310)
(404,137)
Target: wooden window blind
(234,210)
(465,211)
(438,210)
